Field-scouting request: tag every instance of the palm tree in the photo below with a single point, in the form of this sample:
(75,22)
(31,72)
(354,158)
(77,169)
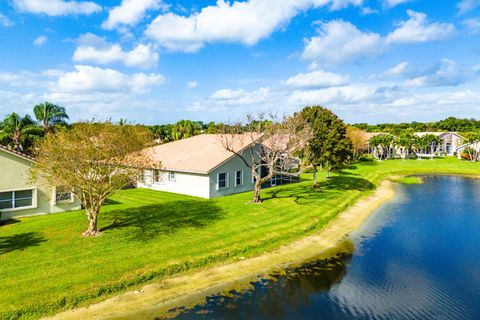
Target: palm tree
(19,133)
(405,141)
(432,141)
(50,116)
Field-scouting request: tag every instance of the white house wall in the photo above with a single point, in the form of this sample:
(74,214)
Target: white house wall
(230,167)
(185,183)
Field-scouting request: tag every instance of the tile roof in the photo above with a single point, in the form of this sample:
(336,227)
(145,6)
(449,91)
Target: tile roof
(198,154)
(17,153)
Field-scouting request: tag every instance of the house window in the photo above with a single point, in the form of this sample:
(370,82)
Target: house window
(222,180)
(63,194)
(156,176)
(239,178)
(143,176)
(274,180)
(171,176)
(16,199)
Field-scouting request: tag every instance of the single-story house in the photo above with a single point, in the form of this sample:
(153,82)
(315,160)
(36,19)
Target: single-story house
(366,137)
(450,141)
(201,166)
(21,197)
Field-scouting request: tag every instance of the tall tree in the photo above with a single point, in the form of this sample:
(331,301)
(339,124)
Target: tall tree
(431,142)
(383,146)
(329,147)
(357,138)
(267,147)
(50,116)
(19,132)
(186,129)
(406,142)
(95,160)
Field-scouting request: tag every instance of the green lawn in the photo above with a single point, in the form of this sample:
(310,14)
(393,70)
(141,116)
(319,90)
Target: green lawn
(46,266)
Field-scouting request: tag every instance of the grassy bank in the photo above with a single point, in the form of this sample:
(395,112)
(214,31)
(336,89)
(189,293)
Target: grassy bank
(47,266)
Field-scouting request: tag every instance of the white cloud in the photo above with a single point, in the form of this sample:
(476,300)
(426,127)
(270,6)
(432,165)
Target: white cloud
(130,13)
(367,11)
(5,21)
(472,24)
(465,6)
(398,70)
(88,79)
(40,41)
(192,84)
(244,22)
(227,94)
(228,97)
(418,29)
(337,95)
(445,73)
(393,3)
(339,41)
(57,7)
(317,79)
(95,49)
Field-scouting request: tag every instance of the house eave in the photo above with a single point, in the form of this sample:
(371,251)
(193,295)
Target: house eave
(17,154)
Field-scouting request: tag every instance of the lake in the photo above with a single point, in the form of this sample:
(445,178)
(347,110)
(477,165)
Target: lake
(417,257)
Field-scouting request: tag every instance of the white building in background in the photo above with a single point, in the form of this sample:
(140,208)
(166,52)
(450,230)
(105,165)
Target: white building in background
(462,148)
(450,141)
(201,166)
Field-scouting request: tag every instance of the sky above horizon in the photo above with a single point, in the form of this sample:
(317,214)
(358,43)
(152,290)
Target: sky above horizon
(159,61)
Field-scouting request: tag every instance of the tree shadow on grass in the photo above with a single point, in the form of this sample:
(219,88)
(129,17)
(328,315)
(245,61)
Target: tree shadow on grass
(149,222)
(306,194)
(20,241)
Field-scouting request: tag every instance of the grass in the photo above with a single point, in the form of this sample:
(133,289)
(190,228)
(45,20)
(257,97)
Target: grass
(407,180)
(46,266)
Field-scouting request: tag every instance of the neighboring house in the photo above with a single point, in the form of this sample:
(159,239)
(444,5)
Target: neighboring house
(450,141)
(20,197)
(366,136)
(462,148)
(201,166)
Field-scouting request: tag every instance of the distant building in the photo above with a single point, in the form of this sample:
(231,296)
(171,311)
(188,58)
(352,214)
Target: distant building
(462,148)
(20,197)
(450,141)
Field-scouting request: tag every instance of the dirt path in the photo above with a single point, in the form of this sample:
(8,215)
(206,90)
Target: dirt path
(188,289)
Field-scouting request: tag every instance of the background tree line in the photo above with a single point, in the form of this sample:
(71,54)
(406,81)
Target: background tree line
(450,124)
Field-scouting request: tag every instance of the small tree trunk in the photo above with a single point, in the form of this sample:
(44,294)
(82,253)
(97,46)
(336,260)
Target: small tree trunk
(314,176)
(92,230)
(256,192)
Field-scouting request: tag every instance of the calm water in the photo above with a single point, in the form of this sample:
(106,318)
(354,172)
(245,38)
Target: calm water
(418,257)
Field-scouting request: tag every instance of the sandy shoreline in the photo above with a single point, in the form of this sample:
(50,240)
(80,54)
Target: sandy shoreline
(156,299)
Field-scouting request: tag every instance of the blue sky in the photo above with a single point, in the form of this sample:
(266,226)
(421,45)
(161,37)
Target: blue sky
(158,61)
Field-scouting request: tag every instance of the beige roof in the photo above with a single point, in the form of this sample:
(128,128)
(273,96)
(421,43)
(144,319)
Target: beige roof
(199,154)
(422,134)
(369,135)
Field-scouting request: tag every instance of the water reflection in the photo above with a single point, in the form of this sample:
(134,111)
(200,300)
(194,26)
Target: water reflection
(292,287)
(416,258)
